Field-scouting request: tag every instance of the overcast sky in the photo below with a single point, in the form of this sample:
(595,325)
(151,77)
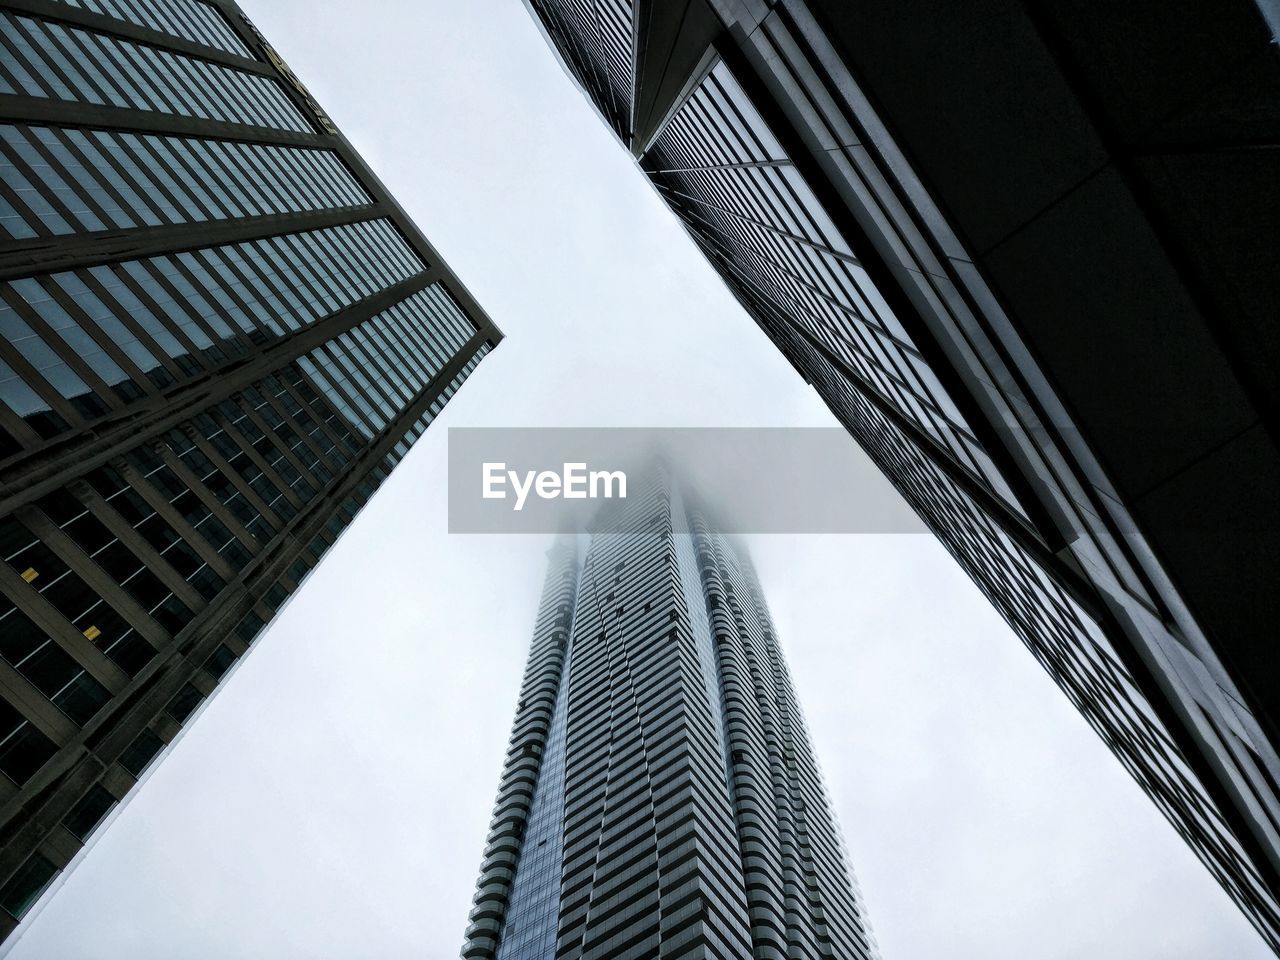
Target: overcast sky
(332,800)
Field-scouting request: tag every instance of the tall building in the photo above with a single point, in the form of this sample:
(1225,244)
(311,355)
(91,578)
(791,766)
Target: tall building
(218,334)
(1026,254)
(660,796)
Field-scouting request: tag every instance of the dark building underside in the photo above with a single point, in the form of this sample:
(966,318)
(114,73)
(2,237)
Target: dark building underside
(1027,254)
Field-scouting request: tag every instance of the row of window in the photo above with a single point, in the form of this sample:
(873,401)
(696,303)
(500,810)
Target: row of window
(278,465)
(87,341)
(187,19)
(40,58)
(433,409)
(63,180)
(375,370)
(1063,639)
(720,166)
(597,40)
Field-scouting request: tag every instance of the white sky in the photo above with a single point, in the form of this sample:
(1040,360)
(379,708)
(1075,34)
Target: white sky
(332,800)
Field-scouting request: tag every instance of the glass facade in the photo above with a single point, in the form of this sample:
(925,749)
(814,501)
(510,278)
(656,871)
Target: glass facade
(792,147)
(218,334)
(660,796)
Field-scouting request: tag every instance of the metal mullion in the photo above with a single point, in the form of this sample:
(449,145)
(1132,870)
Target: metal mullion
(292,317)
(304,276)
(307,172)
(47,193)
(396,351)
(141,194)
(12,422)
(162,317)
(140,31)
(202,289)
(236,157)
(127,319)
(78,113)
(283,180)
(369,361)
(37,710)
(379,248)
(213,78)
(139,145)
(211,153)
(280,444)
(97,51)
(326,245)
(183,306)
(154,178)
(308,269)
(64,175)
(276,480)
(165,148)
(151,92)
(345,184)
(202,161)
(214,262)
(335,383)
(361,256)
(94,170)
(412,334)
(264,103)
(47,392)
(284,256)
(308,163)
(302,164)
(384,233)
(33,477)
(101,337)
(171,515)
(9,43)
(360,349)
(33,220)
(232,475)
(92,660)
(367,254)
(297,427)
(135,86)
(189,82)
(151,558)
(325,427)
(37,39)
(53,341)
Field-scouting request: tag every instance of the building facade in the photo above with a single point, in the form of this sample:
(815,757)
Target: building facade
(218,334)
(1026,254)
(660,795)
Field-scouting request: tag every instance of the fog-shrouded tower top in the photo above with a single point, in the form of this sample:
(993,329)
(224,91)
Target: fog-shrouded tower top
(660,797)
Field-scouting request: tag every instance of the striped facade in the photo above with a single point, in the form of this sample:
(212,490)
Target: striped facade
(660,796)
(218,335)
(1025,253)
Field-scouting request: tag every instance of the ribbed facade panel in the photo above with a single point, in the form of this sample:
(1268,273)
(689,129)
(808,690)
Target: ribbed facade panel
(679,811)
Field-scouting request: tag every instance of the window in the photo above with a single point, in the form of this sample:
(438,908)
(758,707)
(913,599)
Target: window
(24,889)
(89,812)
(141,752)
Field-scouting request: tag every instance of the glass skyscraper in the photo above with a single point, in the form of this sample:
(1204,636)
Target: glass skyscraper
(1026,254)
(660,796)
(218,334)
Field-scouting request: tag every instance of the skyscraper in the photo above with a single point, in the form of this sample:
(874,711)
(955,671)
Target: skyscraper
(660,796)
(1026,254)
(218,334)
